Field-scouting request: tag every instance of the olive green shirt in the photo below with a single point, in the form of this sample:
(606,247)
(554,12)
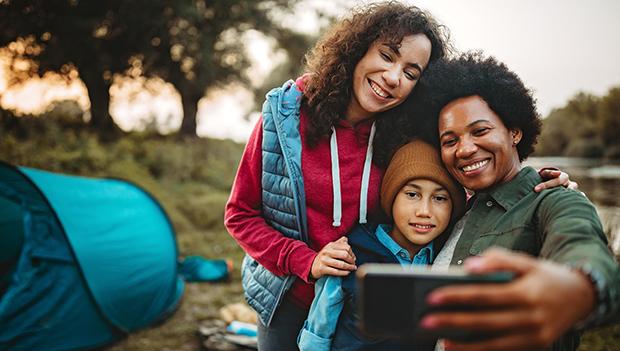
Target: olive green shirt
(556,224)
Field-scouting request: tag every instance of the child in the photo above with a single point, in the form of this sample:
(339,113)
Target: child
(422,200)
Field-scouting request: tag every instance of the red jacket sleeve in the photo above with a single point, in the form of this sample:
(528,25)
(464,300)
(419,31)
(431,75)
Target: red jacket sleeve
(244,219)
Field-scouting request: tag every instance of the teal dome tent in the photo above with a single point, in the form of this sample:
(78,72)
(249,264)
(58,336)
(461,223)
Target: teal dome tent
(84,261)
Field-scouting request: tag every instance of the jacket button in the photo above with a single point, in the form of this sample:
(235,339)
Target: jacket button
(489,203)
(459,262)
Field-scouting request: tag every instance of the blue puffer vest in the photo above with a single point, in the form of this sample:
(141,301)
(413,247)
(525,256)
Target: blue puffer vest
(283,197)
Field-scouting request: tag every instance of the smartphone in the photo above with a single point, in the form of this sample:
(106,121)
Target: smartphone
(391,299)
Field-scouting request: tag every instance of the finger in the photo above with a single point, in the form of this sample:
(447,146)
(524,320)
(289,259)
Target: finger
(344,245)
(482,295)
(341,246)
(563,178)
(343,239)
(510,320)
(552,183)
(341,254)
(503,294)
(573,186)
(498,259)
(325,270)
(509,342)
(553,178)
(547,174)
(337,264)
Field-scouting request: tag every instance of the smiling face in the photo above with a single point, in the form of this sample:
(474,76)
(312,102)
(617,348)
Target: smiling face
(385,76)
(476,147)
(421,212)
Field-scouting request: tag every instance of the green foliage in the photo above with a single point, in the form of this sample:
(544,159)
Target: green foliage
(585,147)
(609,119)
(587,126)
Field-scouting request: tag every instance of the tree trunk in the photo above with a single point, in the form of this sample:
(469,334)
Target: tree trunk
(190,107)
(99,95)
(190,97)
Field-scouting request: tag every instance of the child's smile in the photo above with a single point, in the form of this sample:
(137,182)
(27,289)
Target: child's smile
(421,212)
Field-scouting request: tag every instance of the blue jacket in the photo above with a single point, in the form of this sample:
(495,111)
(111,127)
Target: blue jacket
(335,302)
(283,197)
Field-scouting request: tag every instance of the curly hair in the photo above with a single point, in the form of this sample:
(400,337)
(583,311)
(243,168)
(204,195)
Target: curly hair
(329,84)
(474,74)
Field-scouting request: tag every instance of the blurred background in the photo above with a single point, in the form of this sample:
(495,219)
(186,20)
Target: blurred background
(165,93)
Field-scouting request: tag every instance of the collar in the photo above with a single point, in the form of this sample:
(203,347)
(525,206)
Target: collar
(364,239)
(509,193)
(424,256)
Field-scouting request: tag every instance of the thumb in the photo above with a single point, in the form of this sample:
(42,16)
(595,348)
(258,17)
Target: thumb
(342,239)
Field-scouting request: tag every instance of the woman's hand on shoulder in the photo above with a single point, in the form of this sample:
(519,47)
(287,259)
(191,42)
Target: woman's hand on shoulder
(553,177)
(335,258)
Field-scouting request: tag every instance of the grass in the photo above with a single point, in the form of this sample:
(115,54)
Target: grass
(201,301)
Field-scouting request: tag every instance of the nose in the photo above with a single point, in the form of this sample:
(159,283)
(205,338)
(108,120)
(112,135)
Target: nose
(466,148)
(392,76)
(423,209)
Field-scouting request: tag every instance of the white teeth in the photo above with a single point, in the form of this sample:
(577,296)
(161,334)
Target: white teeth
(475,166)
(421,226)
(377,89)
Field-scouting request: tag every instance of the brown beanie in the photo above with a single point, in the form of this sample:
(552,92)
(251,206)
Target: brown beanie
(419,160)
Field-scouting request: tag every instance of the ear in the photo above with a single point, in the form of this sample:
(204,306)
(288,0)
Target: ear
(516,134)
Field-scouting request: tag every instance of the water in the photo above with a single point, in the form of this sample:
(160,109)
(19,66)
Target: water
(600,180)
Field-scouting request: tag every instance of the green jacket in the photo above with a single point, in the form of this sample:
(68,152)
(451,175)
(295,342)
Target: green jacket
(557,224)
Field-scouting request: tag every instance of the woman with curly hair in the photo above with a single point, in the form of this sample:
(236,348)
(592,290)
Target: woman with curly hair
(308,175)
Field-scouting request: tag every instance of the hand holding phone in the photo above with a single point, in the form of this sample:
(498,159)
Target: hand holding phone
(392,299)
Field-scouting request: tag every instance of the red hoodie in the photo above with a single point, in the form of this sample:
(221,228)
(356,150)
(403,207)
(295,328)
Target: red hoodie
(282,255)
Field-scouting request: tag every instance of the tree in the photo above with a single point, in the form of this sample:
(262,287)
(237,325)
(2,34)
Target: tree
(66,36)
(193,44)
(609,121)
(587,126)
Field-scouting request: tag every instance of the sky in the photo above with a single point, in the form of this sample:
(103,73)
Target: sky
(558,48)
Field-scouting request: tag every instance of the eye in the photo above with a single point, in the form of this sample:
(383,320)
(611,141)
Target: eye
(385,56)
(448,142)
(441,198)
(411,75)
(412,194)
(480,131)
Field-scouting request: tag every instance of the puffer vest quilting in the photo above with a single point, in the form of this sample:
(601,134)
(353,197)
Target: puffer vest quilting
(283,197)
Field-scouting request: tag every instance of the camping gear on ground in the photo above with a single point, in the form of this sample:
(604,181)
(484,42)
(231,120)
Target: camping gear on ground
(216,337)
(238,311)
(84,261)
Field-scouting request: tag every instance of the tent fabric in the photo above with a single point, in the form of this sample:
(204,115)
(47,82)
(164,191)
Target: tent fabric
(83,261)
(140,255)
